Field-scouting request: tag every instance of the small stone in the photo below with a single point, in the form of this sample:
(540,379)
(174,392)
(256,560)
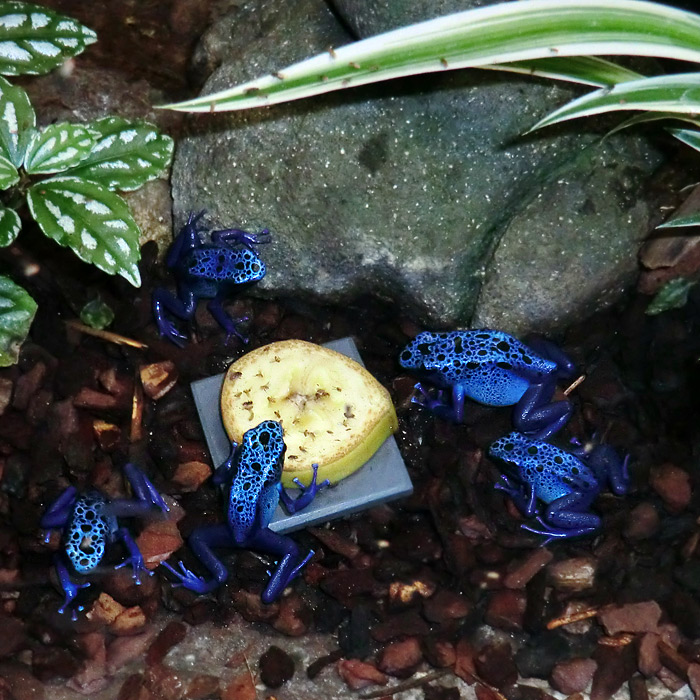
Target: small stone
(348,583)
(133,689)
(131,621)
(633,617)
(465,667)
(157,541)
(251,607)
(336,542)
(158,378)
(673,485)
(108,435)
(439,653)
(189,476)
(694,679)
(242,687)
(616,665)
(105,610)
(92,676)
(358,674)
(506,609)
(405,624)
(276,667)
(642,522)
(294,617)
(573,676)
(673,682)
(204,686)
(163,682)
(49,663)
(170,636)
(494,664)
(446,605)
(525,569)
(648,655)
(122,650)
(573,575)
(13,635)
(400,659)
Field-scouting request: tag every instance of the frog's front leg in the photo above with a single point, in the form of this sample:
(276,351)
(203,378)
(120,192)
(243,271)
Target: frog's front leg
(135,557)
(607,466)
(57,514)
(230,325)
(183,306)
(535,416)
(291,564)
(308,493)
(236,235)
(551,351)
(68,586)
(201,542)
(438,406)
(524,502)
(145,491)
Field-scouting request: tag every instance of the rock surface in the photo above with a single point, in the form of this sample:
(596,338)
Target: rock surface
(411,189)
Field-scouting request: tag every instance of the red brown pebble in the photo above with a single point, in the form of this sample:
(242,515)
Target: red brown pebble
(494,664)
(506,609)
(400,659)
(438,652)
(157,541)
(648,655)
(525,569)
(673,485)
(276,667)
(694,679)
(163,682)
(405,624)
(573,676)
(358,674)
(158,378)
(633,617)
(13,635)
(345,584)
(446,605)
(203,686)
(616,665)
(242,687)
(572,575)
(251,607)
(133,689)
(189,476)
(295,616)
(642,522)
(124,649)
(171,635)
(465,667)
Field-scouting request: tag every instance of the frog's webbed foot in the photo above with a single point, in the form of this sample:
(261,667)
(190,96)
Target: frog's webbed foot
(70,589)
(164,301)
(230,325)
(507,486)
(551,532)
(308,493)
(135,559)
(189,580)
(244,238)
(436,404)
(144,489)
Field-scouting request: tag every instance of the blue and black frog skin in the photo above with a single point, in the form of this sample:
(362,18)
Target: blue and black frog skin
(90,522)
(207,271)
(556,486)
(492,368)
(253,472)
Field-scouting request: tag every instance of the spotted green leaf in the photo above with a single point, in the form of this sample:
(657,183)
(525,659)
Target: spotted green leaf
(673,295)
(36,39)
(10,226)
(58,147)
(17,311)
(17,120)
(126,155)
(8,174)
(94,222)
(97,314)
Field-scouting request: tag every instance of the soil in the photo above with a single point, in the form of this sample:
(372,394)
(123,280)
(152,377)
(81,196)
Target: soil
(445,583)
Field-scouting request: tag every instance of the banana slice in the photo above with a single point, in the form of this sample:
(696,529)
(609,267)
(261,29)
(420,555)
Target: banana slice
(333,411)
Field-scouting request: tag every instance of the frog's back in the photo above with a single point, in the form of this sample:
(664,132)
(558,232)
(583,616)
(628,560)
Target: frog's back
(551,471)
(224,264)
(258,471)
(87,532)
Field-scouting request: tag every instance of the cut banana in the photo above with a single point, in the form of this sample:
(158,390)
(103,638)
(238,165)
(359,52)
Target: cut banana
(333,411)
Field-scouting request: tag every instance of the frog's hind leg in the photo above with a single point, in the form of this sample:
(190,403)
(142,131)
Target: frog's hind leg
(145,491)
(288,568)
(69,587)
(216,309)
(566,517)
(57,513)
(551,351)
(135,557)
(183,307)
(535,416)
(201,542)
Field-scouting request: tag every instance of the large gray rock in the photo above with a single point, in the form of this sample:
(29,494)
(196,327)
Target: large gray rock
(418,190)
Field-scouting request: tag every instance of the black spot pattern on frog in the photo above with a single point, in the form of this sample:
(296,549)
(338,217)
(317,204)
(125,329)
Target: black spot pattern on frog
(225,265)
(87,532)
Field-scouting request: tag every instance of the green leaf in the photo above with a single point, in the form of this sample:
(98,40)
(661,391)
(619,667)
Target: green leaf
(10,226)
(17,120)
(673,295)
(97,314)
(94,222)
(676,94)
(36,39)
(17,311)
(587,70)
(126,155)
(652,117)
(690,137)
(8,174)
(502,33)
(58,147)
(678,221)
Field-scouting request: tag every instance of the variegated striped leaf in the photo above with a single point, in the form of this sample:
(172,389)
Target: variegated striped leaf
(10,226)
(36,39)
(17,120)
(58,147)
(17,311)
(94,222)
(127,154)
(690,137)
(8,174)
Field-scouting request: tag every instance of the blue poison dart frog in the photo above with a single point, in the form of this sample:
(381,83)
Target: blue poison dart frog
(253,472)
(558,487)
(90,522)
(492,368)
(207,271)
